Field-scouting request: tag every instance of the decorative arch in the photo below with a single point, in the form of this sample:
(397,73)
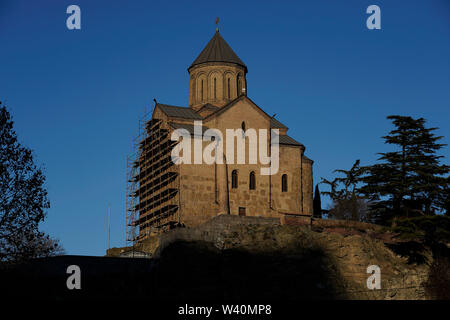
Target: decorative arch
(192,90)
(238,84)
(201,87)
(229,79)
(214,84)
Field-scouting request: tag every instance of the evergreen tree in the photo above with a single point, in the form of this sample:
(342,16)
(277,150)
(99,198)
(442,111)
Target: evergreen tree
(317,205)
(410,180)
(445,199)
(347,202)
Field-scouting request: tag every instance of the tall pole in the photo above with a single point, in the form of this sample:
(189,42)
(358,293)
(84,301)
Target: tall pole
(126,205)
(109,226)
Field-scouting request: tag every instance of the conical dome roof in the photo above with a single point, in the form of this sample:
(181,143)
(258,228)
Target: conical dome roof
(218,50)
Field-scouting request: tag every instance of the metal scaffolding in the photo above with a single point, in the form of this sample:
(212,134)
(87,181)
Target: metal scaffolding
(152,199)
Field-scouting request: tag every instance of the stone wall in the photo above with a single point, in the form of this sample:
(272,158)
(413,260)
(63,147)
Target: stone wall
(211,231)
(345,256)
(216,227)
(198,201)
(304,220)
(307,186)
(289,200)
(206,190)
(328,223)
(221,72)
(295,220)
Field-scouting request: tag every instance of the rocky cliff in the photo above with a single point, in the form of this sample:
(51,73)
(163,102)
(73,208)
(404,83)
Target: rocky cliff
(248,257)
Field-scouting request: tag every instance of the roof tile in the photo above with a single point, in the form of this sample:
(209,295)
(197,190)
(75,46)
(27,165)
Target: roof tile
(179,112)
(274,123)
(188,127)
(285,139)
(218,50)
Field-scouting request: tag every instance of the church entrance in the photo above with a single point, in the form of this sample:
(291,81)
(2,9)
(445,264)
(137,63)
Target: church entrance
(241,211)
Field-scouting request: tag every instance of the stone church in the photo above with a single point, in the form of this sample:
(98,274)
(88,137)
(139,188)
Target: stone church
(162,195)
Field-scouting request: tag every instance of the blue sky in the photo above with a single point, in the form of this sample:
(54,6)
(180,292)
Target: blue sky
(76,95)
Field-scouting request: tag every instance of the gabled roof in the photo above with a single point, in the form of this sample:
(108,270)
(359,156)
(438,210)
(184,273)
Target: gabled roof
(218,50)
(232,103)
(188,127)
(274,123)
(188,113)
(179,112)
(208,106)
(286,140)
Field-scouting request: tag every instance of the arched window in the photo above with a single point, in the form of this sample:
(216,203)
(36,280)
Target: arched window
(284,187)
(215,95)
(234,179)
(228,86)
(202,91)
(243,129)
(238,85)
(252,182)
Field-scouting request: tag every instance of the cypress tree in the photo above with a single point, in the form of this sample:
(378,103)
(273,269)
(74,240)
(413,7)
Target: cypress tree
(317,205)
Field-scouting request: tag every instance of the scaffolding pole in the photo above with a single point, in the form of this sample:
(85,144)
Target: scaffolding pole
(152,199)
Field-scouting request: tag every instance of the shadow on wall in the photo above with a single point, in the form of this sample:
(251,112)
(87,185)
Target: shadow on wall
(185,271)
(236,274)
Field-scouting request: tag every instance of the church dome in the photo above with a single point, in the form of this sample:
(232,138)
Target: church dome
(218,50)
(217,76)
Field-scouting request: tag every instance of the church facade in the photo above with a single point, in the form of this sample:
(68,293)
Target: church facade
(165,194)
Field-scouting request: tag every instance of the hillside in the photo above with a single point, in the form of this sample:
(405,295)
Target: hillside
(234,258)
